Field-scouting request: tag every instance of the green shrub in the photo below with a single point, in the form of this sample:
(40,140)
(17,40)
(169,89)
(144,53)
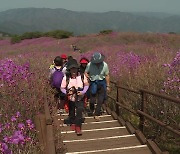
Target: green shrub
(31,35)
(59,34)
(171,33)
(15,39)
(107,31)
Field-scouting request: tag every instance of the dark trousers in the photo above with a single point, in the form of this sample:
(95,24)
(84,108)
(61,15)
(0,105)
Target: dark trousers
(59,98)
(100,95)
(75,112)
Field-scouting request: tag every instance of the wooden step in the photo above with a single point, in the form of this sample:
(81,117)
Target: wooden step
(140,149)
(94,133)
(96,125)
(102,143)
(106,136)
(102,118)
(90,119)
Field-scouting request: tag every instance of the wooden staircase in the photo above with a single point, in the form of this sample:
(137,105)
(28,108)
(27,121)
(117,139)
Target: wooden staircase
(107,136)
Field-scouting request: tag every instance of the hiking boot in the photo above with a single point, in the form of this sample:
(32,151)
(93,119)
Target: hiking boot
(82,120)
(91,113)
(78,130)
(60,111)
(67,121)
(73,127)
(102,111)
(97,118)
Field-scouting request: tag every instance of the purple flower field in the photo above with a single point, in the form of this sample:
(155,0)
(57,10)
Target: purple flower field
(150,61)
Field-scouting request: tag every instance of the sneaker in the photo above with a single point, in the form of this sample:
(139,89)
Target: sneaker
(58,111)
(97,118)
(83,120)
(102,111)
(62,111)
(78,130)
(73,127)
(90,114)
(67,121)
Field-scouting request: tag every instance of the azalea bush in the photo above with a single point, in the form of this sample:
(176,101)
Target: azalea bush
(17,135)
(172,82)
(147,61)
(20,103)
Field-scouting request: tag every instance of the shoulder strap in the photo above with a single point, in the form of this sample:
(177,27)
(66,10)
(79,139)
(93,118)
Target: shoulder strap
(82,78)
(61,68)
(58,69)
(67,80)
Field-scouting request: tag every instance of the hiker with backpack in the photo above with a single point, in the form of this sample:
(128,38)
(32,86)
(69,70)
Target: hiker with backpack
(64,59)
(98,73)
(83,63)
(74,85)
(65,62)
(55,77)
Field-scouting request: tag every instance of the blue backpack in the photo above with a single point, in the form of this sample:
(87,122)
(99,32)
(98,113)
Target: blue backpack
(57,77)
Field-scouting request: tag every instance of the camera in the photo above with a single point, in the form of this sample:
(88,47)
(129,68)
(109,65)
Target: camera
(80,89)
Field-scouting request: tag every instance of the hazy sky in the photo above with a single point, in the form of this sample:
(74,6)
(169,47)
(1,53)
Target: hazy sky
(168,6)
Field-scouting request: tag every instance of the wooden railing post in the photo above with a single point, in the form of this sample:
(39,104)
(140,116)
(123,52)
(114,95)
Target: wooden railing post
(40,123)
(50,145)
(117,99)
(143,106)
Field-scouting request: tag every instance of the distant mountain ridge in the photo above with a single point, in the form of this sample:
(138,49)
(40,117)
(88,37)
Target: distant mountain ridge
(17,21)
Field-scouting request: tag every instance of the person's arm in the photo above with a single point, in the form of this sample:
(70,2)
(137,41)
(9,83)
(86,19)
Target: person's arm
(64,70)
(63,85)
(86,72)
(107,77)
(63,90)
(84,90)
(107,80)
(86,86)
(51,71)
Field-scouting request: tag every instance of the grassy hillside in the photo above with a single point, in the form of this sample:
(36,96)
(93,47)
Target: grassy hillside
(149,61)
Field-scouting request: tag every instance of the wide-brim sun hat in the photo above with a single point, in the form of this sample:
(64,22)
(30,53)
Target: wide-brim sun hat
(72,64)
(97,58)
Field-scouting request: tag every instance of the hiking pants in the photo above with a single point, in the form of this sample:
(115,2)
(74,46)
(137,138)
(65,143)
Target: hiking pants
(75,112)
(60,99)
(97,90)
